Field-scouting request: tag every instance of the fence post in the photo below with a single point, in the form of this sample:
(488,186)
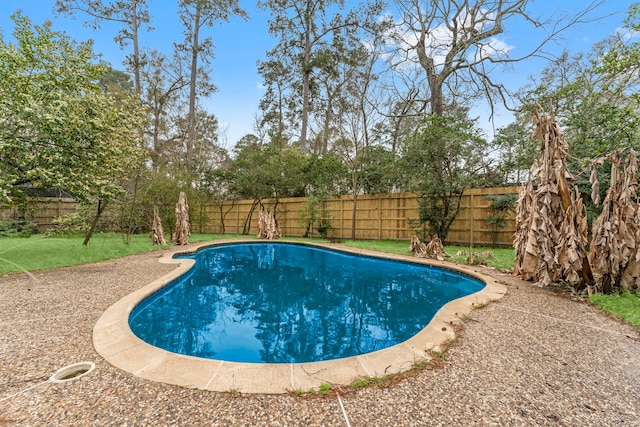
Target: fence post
(283,226)
(237,217)
(341,218)
(471,217)
(379,218)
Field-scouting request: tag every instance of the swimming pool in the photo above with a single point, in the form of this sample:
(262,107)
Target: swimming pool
(273,302)
(114,340)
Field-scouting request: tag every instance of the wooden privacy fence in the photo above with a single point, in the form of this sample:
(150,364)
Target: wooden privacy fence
(42,212)
(378,216)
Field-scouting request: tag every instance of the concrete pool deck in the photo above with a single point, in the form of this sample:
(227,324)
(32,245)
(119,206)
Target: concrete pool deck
(535,357)
(113,340)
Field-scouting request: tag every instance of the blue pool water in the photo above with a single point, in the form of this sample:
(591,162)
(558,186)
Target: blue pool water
(289,303)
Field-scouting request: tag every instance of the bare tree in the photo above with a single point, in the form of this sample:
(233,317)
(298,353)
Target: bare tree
(162,79)
(196,15)
(356,113)
(305,29)
(276,101)
(456,44)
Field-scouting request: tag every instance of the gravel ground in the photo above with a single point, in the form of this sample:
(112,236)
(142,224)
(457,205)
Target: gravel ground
(537,357)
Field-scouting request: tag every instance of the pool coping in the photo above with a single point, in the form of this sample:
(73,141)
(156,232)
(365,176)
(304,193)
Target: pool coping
(116,343)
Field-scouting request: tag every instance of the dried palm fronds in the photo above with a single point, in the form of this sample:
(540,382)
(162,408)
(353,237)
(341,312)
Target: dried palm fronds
(434,249)
(524,205)
(476,258)
(157,233)
(573,240)
(267,226)
(182,229)
(616,231)
(550,239)
(593,179)
(417,247)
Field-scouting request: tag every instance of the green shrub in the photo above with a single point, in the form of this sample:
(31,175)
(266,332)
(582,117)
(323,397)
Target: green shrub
(68,225)
(323,228)
(315,213)
(17,228)
(500,207)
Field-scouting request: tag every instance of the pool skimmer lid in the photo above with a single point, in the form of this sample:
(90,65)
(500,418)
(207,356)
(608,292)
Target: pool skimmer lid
(72,372)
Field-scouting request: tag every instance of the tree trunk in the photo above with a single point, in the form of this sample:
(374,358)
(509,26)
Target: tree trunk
(433,77)
(136,47)
(223,214)
(136,182)
(138,90)
(191,115)
(326,128)
(247,222)
(306,77)
(354,183)
(305,111)
(353,216)
(437,98)
(94,223)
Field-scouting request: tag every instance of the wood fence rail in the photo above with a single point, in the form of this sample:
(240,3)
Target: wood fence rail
(42,212)
(378,216)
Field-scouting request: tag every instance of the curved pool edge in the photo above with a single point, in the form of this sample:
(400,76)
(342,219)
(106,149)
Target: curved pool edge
(116,343)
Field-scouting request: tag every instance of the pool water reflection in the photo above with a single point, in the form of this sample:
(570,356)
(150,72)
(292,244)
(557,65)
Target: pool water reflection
(290,303)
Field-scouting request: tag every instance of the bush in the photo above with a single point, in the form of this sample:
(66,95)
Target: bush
(17,228)
(323,228)
(68,225)
(500,207)
(315,213)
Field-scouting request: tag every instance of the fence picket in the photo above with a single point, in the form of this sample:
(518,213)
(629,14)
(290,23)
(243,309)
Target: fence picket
(378,216)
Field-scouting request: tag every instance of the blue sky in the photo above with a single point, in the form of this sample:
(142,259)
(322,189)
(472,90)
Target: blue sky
(239,44)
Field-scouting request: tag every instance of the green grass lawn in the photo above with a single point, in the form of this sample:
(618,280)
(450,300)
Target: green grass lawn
(39,252)
(625,306)
(504,257)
